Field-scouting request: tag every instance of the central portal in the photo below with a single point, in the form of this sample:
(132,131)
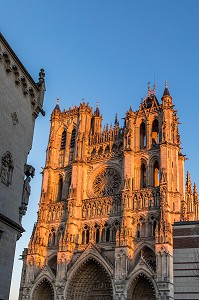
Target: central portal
(91,281)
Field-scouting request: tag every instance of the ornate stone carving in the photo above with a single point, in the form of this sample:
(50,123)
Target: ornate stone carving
(29,171)
(14,118)
(107,182)
(7,167)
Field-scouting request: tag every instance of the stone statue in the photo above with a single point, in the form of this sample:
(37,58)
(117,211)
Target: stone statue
(29,170)
(26,191)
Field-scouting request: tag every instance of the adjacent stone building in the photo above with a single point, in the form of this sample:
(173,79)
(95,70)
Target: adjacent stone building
(21,100)
(186,260)
(109,199)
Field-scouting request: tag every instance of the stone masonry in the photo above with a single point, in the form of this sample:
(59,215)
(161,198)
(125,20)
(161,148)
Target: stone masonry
(109,199)
(21,100)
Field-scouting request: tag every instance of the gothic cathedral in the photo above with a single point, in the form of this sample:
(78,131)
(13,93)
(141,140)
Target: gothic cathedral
(109,199)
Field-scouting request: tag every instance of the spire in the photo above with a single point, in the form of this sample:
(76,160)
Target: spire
(166,90)
(116,120)
(188,183)
(97,111)
(195,194)
(57,104)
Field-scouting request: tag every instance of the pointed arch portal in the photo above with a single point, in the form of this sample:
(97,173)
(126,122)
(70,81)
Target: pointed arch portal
(91,281)
(44,291)
(141,289)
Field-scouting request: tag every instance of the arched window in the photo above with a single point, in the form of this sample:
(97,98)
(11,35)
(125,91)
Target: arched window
(73,137)
(156,175)
(107,234)
(63,140)
(87,236)
(143,176)
(142,135)
(154,228)
(97,235)
(68,184)
(83,237)
(60,187)
(103,239)
(155,132)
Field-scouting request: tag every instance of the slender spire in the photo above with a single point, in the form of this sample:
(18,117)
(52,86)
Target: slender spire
(166,90)
(116,120)
(195,194)
(57,104)
(97,111)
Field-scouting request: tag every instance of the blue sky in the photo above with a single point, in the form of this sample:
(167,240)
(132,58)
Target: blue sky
(106,50)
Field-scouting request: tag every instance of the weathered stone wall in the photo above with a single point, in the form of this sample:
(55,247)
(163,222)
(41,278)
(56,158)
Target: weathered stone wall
(186,260)
(19,106)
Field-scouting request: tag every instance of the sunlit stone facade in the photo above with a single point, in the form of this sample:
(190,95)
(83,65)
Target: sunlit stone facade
(109,199)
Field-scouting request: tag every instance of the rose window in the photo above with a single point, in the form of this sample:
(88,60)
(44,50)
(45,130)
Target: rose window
(107,182)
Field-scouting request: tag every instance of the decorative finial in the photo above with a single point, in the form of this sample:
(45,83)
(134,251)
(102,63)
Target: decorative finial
(116,119)
(41,76)
(58,100)
(166,84)
(97,103)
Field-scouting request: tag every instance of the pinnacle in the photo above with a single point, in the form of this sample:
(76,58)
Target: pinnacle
(166,90)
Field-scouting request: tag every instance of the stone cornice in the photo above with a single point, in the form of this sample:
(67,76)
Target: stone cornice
(17,60)
(11,223)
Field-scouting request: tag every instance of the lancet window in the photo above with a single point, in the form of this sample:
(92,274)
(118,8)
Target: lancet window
(63,140)
(97,234)
(143,175)
(155,132)
(60,188)
(73,137)
(156,173)
(68,184)
(142,135)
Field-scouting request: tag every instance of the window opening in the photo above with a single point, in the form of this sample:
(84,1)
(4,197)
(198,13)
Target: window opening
(155,132)
(73,136)
(63,140)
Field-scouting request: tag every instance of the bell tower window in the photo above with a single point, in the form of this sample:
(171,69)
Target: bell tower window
(63,140)
(73,136)
(142,135)
(155,132)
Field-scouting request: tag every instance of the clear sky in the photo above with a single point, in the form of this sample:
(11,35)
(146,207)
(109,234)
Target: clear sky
(106,50)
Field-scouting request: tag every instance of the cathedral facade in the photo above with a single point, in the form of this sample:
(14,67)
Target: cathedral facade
(109,199)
